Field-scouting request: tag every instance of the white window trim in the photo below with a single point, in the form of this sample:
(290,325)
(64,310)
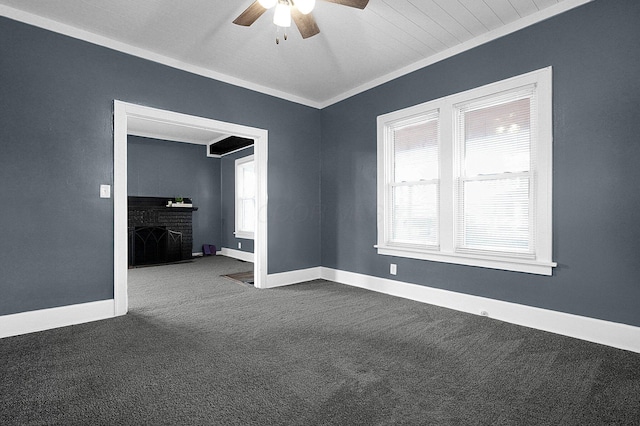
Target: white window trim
(239,233)
(445,252)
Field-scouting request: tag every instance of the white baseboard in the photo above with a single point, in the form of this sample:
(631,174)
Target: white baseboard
(293,277)
(46,319)
(201,254)
(237,254)
(608,333)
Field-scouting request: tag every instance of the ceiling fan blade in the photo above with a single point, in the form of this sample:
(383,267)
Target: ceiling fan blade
(306,23)
(250,15)
(358,4)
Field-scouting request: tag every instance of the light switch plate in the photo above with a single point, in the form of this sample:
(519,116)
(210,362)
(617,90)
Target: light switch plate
(105,191)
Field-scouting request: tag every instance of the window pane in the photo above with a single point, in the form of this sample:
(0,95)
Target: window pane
(248,180)
(498,138)
(245,195)
(247,215)
(415,214)
(416,152)
(496,215)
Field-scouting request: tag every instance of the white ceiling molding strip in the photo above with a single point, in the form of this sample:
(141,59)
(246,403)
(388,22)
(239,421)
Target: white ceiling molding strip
(512,27)
(90,37)
(68,30)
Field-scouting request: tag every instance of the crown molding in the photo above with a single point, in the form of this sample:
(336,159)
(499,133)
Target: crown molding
(77,33)
(51,25)
(512,27)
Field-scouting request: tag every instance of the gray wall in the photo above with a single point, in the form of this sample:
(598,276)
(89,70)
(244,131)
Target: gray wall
(157,168)
(228,202)
(596,69)
(56,132)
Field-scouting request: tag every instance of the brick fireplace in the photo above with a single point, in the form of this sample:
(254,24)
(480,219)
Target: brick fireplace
(157,233)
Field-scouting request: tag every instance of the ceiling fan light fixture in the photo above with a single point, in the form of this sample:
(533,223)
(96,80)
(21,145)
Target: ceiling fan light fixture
(267,4)
(305,6)
(286,11)
(282,15)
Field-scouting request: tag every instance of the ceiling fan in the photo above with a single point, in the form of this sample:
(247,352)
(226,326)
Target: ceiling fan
(286,10)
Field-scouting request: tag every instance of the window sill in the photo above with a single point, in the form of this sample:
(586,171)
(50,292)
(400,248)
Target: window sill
(502,263)
(244,235)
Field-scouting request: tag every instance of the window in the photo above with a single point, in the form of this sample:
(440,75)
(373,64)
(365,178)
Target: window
(414,182)
(245,197)
(467,178)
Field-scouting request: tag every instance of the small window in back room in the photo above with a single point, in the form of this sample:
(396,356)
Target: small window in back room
(245,197)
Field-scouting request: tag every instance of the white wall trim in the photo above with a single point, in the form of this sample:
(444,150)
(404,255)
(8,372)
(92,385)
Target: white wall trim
(120,215)
(46,319)
(123,111)
(293,277)
(238,254)
(608,333)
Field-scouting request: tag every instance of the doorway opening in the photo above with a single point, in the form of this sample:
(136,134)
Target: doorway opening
(170,125)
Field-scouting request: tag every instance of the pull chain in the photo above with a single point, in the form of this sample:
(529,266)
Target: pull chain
(278,34)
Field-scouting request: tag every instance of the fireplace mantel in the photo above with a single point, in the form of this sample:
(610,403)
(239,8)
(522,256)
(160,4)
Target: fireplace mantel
(135,202)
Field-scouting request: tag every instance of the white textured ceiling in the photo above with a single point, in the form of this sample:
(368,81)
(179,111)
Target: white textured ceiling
(355,50)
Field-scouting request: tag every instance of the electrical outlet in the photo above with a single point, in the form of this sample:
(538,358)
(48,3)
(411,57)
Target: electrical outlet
(393,269)
(239,244)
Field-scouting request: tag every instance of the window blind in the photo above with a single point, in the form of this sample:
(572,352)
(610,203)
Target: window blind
(495,180)
(414,186)
(246,192)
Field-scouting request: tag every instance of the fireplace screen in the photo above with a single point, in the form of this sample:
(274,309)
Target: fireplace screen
(154,244)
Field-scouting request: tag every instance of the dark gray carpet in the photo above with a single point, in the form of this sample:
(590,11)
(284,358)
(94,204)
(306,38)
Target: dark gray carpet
(197,348)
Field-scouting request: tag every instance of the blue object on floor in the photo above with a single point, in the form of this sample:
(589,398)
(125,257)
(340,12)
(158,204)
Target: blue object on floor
(208,250)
